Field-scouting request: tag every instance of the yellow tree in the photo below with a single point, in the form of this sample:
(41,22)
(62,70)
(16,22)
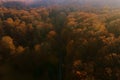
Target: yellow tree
(7,45)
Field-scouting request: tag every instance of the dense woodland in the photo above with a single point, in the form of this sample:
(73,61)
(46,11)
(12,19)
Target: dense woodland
(60,43)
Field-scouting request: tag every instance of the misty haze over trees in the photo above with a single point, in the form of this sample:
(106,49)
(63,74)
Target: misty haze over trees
(59,40)
(34,3)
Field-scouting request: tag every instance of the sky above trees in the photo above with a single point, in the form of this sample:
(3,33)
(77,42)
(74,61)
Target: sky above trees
(69,0)
(108,1)
(90,2)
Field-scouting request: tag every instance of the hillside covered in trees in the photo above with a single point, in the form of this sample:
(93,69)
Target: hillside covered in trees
(59,42)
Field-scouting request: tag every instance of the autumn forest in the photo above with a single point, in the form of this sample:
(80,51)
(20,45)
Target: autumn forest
(59,42)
